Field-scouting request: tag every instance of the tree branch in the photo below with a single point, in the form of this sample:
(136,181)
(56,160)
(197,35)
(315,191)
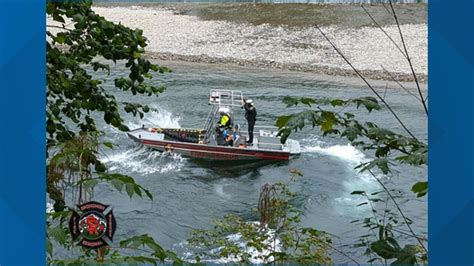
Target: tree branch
(386,34)
(408,58)
(399,84)
(366,82)
(399,210)
(58,27)
(342,253)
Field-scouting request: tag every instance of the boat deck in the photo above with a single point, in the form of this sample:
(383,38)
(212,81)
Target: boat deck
(156,140)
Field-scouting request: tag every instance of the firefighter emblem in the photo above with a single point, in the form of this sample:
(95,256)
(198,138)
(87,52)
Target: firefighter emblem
(95,226)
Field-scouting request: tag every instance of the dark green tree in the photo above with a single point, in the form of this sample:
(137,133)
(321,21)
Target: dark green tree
(79,43)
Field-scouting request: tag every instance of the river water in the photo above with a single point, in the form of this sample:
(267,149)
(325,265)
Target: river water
(189,194)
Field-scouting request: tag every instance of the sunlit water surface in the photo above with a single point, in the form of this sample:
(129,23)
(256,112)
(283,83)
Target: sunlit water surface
(189,194)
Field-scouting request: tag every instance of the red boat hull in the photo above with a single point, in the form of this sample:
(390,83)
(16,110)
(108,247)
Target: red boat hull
(214,152)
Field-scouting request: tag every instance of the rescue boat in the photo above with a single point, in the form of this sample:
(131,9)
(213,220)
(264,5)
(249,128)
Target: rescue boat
(210,142)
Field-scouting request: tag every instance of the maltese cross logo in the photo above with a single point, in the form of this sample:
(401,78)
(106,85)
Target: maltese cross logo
(95,227)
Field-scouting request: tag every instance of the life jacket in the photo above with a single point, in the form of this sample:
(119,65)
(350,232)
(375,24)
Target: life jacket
(225,121)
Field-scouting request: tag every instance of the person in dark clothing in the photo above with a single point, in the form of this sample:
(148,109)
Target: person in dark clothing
(251,116)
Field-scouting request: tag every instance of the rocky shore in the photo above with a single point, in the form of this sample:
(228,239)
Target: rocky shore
(320,69)
(173,36)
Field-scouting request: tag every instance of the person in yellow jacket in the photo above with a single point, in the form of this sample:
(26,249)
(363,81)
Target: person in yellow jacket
(226,120)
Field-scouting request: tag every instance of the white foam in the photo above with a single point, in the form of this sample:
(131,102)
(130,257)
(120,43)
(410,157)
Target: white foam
(157,117)
(256,257)
(49,207)
(175,162)
(351,157)
(144,161)
(347,152)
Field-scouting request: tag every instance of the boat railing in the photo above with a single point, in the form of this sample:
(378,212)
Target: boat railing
(229,98)
(208,119)
(210,122)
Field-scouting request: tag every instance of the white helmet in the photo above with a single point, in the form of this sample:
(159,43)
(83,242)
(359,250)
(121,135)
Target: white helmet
(224,110)
(249,101)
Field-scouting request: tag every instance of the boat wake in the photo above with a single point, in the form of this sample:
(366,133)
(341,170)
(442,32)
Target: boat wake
(351,157)
(140,159)
(157,117)
(347,153)
(144,161)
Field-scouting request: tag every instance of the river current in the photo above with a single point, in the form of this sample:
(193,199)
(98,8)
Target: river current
(190,194)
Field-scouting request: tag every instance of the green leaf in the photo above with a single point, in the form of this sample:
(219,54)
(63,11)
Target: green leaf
(290,101)
(326,126)
(149,195)
(358,192)
(372,260)
(108,144)
(307,101)
(420,188)
(58,233)
(417,156)
(136,54)
(49,247)
(89,183)
(157,251)
(130,189)
(370,103)
(381,163)
(407,256)
(100,167)
(379,133)
(351,132)
(337,102)
(58,18)
(382,151)
(60,38)
(78,18)
(282,121)
(117,184)
(108,117)
(129,108)
(50,126)
(384,249)
(50,8)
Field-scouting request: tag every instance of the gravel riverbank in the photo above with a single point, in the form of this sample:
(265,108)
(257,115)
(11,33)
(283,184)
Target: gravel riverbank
(176,36)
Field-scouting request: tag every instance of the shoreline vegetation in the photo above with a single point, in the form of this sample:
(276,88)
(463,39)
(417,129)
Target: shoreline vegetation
(275,36)
(81,111)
